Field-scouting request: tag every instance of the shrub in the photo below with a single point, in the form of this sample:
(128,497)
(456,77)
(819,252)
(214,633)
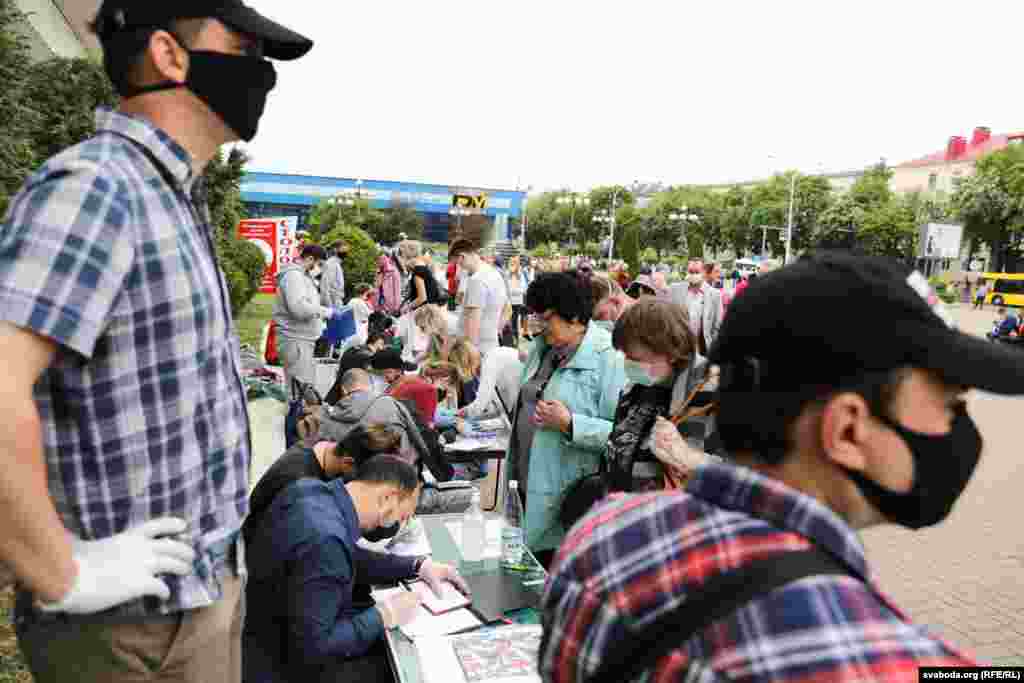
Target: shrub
(361,262)
(243,266)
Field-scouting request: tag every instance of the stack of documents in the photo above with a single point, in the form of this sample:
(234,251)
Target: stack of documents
(426,624)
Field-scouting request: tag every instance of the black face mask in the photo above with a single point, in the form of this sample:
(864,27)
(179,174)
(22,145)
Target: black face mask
(943,464)
(235,87)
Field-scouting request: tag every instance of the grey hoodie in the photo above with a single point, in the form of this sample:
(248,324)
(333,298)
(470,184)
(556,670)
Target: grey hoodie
(297,307)
(370,407)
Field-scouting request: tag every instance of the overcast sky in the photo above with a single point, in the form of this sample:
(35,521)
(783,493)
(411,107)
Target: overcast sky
(576,94)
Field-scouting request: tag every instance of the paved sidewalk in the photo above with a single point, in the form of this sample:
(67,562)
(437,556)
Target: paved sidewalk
(965,578)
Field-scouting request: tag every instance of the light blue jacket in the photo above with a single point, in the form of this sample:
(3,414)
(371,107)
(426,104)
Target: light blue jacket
(589,385)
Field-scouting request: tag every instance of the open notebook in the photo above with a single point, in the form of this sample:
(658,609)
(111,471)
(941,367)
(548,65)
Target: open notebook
(451,598)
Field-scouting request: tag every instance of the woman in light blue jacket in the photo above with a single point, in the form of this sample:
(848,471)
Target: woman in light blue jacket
(570,387)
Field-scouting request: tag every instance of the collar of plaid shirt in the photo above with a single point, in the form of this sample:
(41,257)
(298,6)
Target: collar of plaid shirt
(175,159)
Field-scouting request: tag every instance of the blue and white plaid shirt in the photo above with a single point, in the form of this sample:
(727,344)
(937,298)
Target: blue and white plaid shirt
(143,412)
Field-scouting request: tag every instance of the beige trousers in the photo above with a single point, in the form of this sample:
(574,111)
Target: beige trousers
(198,646)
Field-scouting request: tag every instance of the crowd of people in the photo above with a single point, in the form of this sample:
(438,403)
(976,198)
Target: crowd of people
(695,460)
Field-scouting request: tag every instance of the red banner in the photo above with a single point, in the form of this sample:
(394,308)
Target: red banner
(263,233)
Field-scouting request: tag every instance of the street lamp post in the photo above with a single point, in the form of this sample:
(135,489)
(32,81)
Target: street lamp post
(572,199)
(683,216)
(789,227)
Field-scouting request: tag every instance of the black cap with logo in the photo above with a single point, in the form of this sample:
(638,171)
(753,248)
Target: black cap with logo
(119,16)
(833,316)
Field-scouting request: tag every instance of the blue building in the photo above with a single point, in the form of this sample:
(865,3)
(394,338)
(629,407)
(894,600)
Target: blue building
(280,194)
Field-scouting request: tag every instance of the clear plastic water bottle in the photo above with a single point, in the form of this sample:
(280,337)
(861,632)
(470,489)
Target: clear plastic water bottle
(512,529)
(474,530)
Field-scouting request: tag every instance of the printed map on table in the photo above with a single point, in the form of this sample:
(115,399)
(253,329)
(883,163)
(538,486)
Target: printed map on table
(502,653)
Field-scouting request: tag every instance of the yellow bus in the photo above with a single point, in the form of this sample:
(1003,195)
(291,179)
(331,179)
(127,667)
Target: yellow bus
(1004,289)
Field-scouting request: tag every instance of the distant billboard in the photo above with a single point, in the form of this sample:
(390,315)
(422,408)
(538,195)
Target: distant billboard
(940,241)
(277,240)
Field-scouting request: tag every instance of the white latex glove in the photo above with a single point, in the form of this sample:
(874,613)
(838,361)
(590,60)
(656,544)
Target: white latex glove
(399,610)
(671,448)
(122,568)
(436,574)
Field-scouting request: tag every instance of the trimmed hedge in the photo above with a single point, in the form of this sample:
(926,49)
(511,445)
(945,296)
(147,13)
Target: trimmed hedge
(243,267)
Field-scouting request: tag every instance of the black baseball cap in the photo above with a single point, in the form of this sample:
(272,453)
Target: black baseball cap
(119,16)
(832,317)
(389,359)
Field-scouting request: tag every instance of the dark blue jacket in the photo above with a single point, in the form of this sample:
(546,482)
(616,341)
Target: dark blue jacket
(303,561)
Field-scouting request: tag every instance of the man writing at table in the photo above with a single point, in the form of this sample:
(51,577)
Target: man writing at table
(303,560)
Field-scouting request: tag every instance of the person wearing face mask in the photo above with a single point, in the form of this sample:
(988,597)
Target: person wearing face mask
(830,429)
(332,279)
(299,315)
(326,461)
(664,370)
(127,445)
(570,384)
(302,623)
(702,302)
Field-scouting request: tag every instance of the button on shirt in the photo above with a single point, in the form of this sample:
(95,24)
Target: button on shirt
(142,409)
(635,557)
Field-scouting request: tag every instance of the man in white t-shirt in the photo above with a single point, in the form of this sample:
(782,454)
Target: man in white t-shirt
(485,307)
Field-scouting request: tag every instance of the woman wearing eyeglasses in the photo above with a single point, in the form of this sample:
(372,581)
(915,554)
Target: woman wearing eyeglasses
(570,386)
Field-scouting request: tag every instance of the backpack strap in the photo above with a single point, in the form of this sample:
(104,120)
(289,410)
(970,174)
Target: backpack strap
(717,598)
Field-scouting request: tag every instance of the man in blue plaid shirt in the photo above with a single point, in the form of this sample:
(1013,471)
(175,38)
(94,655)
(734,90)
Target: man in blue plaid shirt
(125,451)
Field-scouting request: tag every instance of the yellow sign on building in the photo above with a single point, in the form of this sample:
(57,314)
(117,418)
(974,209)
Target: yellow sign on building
(469,201)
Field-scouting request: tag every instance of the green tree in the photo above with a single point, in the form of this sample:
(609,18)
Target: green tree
(545,224)
(872,189)
(223,178)
(627,247)
(839,223)
(65,93)
(991,205)
(17,118)
(397,219)
(360,263)
(771,204)
(889,229)
(738,230)
(331,213)
(241,261)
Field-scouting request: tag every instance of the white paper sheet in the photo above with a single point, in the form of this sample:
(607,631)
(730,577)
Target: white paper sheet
(426,624)
(492,536)
(451,598)
(469,444)
(382,594)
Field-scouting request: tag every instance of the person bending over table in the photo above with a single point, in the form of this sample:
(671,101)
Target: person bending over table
(325,462)
(302,624)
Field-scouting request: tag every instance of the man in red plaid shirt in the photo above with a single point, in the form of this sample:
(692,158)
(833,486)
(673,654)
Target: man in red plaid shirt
(831,427)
